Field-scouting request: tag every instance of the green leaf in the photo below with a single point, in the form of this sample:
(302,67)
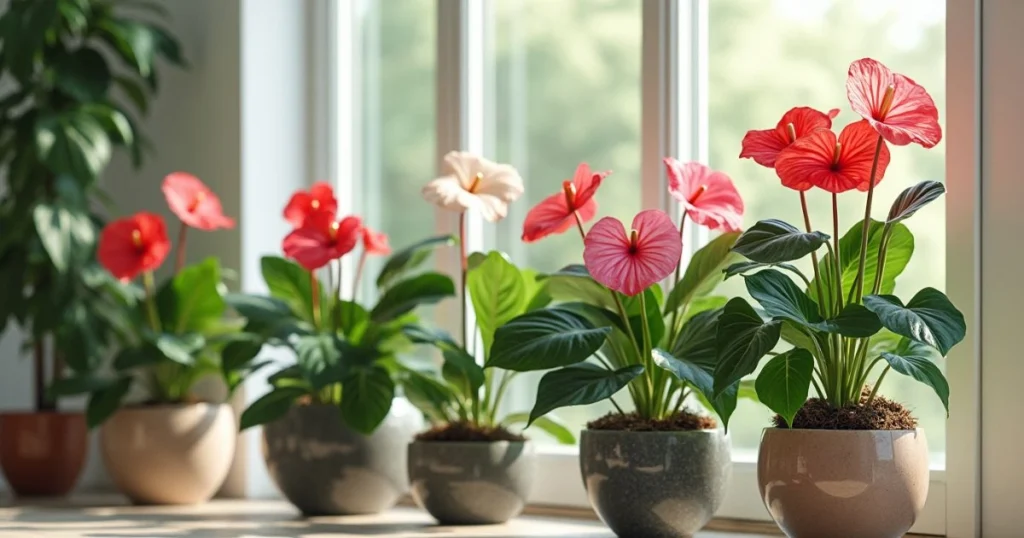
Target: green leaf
(104,402)
(741,268)
(782,299)
(133,357)
(912,199)
(929,318)
(898,253)
(191,301)
(67,234)
(406,295)
(137,43)
(257,308)
(408,259)
(27,34)
(79,384)
(697,342)
(537,295)
(743,339)
(270,407)
(117,126)
(134,91)
(179,348)
(784,381)
(579,384)
(498,293)
(460,368)
(366,397)
(917,361)
(289,282)
(774,241)
(704,271)
(428,394)
(239,353)
(688,372)
(72,143)
(83,74)
(545,339)
(548,424)
(353,320)
(318,356)
(574,283)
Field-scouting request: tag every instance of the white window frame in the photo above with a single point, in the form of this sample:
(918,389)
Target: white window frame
(674,74)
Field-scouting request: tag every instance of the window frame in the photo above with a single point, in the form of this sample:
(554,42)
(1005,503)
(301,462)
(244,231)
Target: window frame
(674,67)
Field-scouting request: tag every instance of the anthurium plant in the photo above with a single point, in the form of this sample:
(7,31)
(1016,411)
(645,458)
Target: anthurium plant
(661,348)
(465,400)
(347,355)
(172,334)
(844,326)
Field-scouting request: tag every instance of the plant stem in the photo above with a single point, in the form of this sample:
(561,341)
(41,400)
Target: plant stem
(462,279)
(814,257)
(649,371)
(874,390)
(314,289)
(867,221)
(336,314)
(672,329)
(502,386)
(617,408)
(179,255)
(150,287)
(836,258)
(883,250)
(359,275)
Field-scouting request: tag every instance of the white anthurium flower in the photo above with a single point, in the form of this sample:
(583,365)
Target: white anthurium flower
(474,182)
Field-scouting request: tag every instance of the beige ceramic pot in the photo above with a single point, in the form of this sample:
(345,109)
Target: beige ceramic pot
(854,484)
(169,454)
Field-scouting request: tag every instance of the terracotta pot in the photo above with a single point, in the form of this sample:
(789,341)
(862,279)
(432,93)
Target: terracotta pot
(169,454)
(323,467)
(42,454)
(854,484)
(467,483)
(655,484)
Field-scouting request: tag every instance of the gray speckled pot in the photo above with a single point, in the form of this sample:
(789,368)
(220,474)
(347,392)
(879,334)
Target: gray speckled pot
(655,484)
(466,483)
(324,468)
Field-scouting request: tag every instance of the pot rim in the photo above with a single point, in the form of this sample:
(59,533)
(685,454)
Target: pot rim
(470,443)
(672,433)
(58,413)
(138,407)
(837,432)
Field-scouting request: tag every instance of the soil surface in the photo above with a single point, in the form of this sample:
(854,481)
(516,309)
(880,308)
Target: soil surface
(882,414)
(631,422)
(467,431)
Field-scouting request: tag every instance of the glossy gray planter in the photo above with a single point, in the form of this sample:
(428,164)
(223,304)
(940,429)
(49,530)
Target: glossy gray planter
(464,483)
(325,468)
(655,484)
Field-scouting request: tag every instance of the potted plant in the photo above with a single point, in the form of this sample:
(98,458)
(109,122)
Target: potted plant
(845,329)
(334,432)
(661,349)
(164,445)
(59,122)
(470,467)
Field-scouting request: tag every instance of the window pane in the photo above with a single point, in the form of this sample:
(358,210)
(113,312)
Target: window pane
(564,88)
(766,57)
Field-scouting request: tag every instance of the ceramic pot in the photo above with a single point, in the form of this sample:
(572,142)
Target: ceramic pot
(42,454)
(472,483)
(169,454)
(323,467)
(854,484)
(655,484)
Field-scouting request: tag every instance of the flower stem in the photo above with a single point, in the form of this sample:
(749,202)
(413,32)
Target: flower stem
(150,286)
(462,279)
(673,329)
(336,314)
(646,354)
(814,256)
(359,275)
(874,390)
(867,221)
(314,289)
(179,255)
(836,258)
(883,250)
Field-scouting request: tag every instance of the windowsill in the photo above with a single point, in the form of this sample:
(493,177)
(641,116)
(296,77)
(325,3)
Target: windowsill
(111,516)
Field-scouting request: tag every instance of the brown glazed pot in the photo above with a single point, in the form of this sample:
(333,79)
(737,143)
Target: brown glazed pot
(854,484)
(42,454)
(169,454)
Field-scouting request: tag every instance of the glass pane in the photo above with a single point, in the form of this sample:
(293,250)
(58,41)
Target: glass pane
(396,102)
(565,88)
(766,57)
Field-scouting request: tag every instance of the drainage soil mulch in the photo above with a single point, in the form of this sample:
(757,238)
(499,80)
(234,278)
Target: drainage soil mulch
(632,422)
(467,431)
(882,414)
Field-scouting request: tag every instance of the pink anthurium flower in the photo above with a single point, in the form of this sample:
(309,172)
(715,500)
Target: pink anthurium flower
(835,164)
(375,243)
(630,263)
(764,145)
(194,203)
(709,197)
(557,213)
(898,108)
(475,183)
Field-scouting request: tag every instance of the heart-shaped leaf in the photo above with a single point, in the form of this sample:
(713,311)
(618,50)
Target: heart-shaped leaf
(402,262)
(691,373)
(579,384)
(775,241)
(697,342)
(918,361)
(366,396)
(545,339)
(191,300)
(289,282)
(929,318)
(782,299)
(784,381)
(406,295)
(912,199)
(704,271)
(743,339)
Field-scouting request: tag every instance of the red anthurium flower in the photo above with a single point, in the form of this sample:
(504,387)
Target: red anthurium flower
(133,245)
(322,239)
(556,213)
(375,243)
(764,146)
(194,203)
(319,199)
(708,197)
(897,108)
(835,165)
(630,263)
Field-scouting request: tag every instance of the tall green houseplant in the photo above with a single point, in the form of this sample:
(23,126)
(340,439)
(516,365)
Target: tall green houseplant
(74,75)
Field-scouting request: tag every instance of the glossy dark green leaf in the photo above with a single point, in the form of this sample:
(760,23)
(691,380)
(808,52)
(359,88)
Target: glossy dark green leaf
(698,341)
(270,407)
(898,253)
(103,403)
(929,318)
(319,357)
(72,143)
(460,368)
(237,354)
(191,301)
(83,74)
(912,199)
(784,382)
(580,384)
(574,283)
(782,299)
(743,339)
(408,259)
(366,397)
(775,241)
(742,268)
(703,272)
(353,319)
(67,234)
(179,348)
(134,91)
(406,295)
(545,339)
(79,384)
(289,282)
(548,424)
(498,294)
(691,373)
(918,361)
(432,396)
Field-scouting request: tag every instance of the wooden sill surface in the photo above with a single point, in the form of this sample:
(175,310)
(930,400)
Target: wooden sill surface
(99,517)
